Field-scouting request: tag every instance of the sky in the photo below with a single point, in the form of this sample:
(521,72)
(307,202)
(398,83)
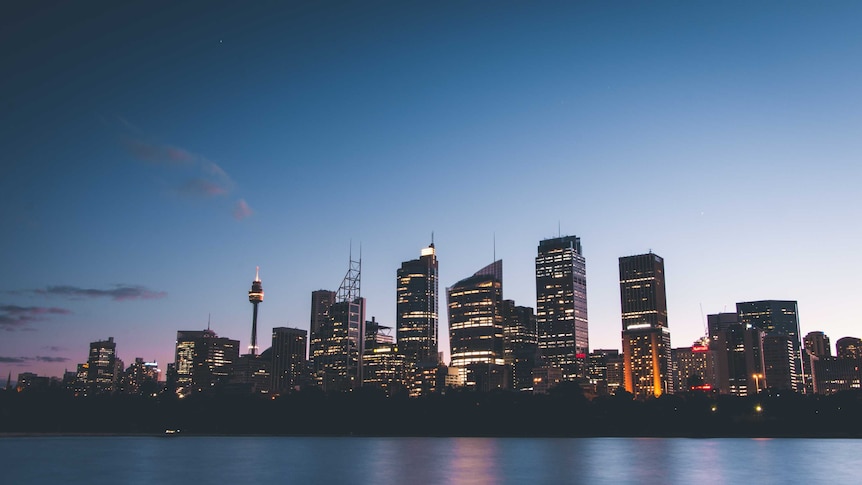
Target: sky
(153,154)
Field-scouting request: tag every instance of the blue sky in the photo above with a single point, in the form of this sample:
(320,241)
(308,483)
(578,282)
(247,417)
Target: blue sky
(155,154)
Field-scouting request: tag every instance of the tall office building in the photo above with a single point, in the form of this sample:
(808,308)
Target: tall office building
(695,368)
(561,305)
(255,296)
(476,327)
(417,307)
(817,344)
(774,318)
(203,360)
(321,302)
(646,339)
(849,348)
(288,358)
(739,354)
(520,348)
(338,334)
(102,366)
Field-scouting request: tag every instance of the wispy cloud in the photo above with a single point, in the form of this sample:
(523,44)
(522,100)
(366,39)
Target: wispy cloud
(14,317)
(38,358)
(156,153)
(54,348)
(202,187)
(117,293)
(241,210)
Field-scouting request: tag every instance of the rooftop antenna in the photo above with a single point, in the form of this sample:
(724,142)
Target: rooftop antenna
(495,246)
(432,238)
(559,231)
(209,316)
(703,319)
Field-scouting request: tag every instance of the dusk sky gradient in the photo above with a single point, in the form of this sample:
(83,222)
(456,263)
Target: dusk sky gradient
(153,154)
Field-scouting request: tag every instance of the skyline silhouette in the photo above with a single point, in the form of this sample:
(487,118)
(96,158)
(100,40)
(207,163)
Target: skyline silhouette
(154,154)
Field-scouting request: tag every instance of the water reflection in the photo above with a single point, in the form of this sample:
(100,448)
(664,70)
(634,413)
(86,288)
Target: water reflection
(148,460)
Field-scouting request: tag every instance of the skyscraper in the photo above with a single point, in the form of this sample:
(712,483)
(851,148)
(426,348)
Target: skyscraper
(561,305)
(646,339)
(817,344)
(476,327)
(849,348)
(288,358)
(338,334)
(416,308)
(739,354)
(203,360)
(102,366)
(519,345)
(255,296)
(777,317)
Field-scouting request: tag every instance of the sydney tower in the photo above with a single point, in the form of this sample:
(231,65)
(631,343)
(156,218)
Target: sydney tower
(255,296)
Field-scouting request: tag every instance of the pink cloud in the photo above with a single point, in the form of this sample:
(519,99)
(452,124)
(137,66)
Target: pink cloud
(241,210)
(199,186)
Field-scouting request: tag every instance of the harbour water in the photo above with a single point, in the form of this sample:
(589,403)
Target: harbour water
(236,460)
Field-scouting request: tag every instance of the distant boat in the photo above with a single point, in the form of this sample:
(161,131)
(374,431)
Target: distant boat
(172,432)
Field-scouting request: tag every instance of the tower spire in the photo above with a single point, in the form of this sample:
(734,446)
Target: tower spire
(255,296)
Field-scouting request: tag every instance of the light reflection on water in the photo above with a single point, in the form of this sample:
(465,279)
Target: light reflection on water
(468,461)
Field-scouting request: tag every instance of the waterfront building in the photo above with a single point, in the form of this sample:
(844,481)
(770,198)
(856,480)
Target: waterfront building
(338,334)
(817,344)
(288,360)
(561,305)
(203,360)
(694,368)
(103,374)
(519,345)
(645,336)
(417,309)
(739,354)
(834,374)
(849,348)
(774,318)
(141,378)
(476,327)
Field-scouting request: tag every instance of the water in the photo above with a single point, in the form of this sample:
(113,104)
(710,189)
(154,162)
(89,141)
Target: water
(202,460)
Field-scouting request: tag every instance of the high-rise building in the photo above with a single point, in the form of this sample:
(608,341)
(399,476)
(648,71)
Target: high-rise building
(646,339)
(519,345)
(321,302)
(417,307)
(834,374)
(338,334)
(817,344)
(288,358)
(739,354)
(141,378)
(777,317)
(849,348)
(203,360)
(103,375)
(383,365)
(561,305)
(255,296)
(476,327)
(606,370)
(694,368)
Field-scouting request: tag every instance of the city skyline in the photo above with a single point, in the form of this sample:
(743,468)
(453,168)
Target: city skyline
(155,155)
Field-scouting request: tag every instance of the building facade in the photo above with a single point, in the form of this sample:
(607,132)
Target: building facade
(645,336)
(416,309)
(288,358)
(777,318)
(476,327)
(203,360)
(561,305)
